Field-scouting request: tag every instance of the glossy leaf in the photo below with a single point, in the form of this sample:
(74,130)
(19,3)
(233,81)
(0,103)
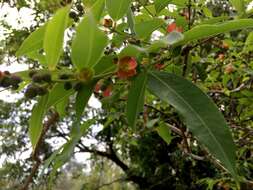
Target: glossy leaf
(164,132)
(105,65)
(201,115)
(161,4)
(58,94)
(132,51)
(53,40)
(135,100)
(88,45)
(249,43)
(35,122)
(36,55)
(130,20)
(117,8)
(33,42)
(205,31)
(145,29)
(82,99)
(97,9)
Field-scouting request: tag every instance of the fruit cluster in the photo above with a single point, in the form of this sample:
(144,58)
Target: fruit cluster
(9,80)
(39,84)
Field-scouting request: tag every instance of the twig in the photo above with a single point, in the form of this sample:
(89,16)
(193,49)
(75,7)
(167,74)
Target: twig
(35,155)
(110,183)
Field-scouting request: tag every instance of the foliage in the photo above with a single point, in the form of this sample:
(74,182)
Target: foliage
(174,85)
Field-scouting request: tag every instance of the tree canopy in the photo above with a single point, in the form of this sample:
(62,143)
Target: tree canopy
(156,94)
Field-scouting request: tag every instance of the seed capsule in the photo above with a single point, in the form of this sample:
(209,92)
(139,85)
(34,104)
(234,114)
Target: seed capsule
(41,91)
(31,92)
(46,77)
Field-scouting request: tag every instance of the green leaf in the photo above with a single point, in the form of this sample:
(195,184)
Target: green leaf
(145,29)
(249,43)
(97,9)
(35,122)
(201,115)
(135,101)
(204,31)
(164,132)
(88,45)
(68,147)
(33,42)
(132,50)
(105,65)
(117,8)
(36,55)
(61,106)
(130,20)
(82,98)
(161,4)
(239,5)
(53,40)
(58,94)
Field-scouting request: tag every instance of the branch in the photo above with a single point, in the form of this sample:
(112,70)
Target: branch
(110,183)
(35,155)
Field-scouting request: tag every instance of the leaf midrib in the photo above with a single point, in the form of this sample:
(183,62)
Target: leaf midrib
(201,120)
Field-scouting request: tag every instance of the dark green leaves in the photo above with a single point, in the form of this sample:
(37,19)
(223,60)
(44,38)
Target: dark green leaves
(135,99)
(206,30)
(201,115)
(117,8)
(82,98)
(36,119)
(145,29)
(161,4)
(33,42)
(53,40)
(164,132)
(97,9)
(56,95)
(88,45)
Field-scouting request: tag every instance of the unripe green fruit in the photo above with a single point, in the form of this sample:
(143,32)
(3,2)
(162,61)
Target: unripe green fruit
(7,73)
(6,82)
(41,91)
(15,80)
(85,75)
(31,92)
(31,73)
(15,87)
(37,78)
(47,77)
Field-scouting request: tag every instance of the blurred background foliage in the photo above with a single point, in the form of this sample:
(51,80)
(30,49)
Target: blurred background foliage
(120,157)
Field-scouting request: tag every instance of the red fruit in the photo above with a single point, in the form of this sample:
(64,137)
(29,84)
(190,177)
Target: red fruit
(108,91)
(173,27)
(126,67)
(126,74)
